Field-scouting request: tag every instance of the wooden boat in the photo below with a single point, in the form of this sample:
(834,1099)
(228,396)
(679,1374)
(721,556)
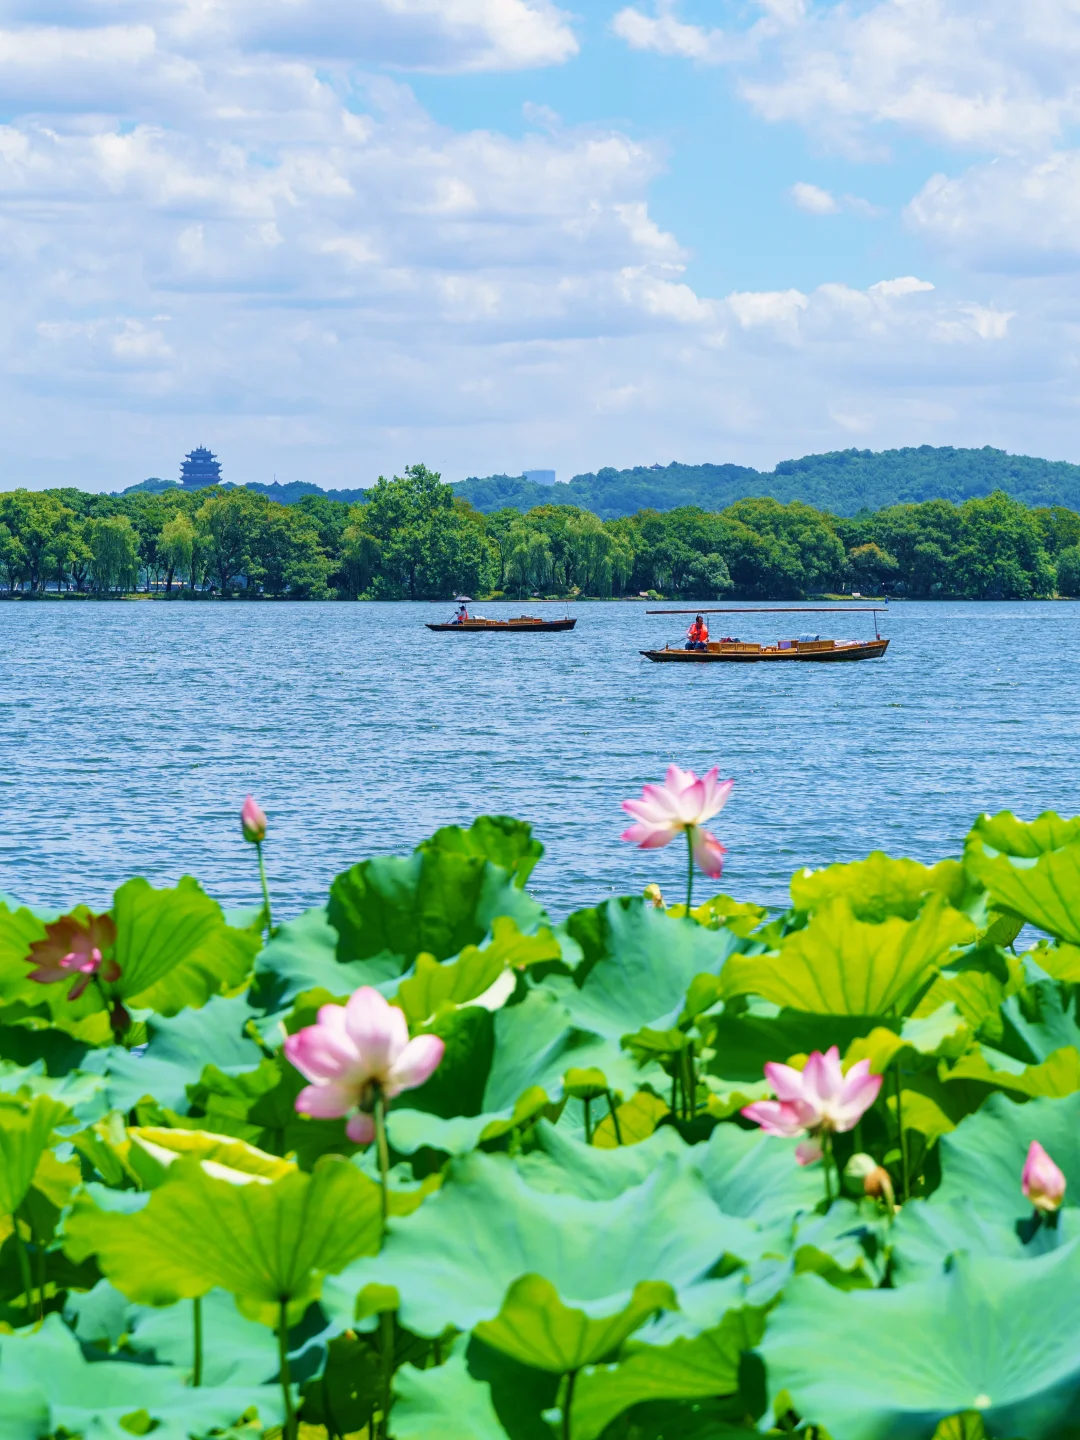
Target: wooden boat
(739,653)
(520,624)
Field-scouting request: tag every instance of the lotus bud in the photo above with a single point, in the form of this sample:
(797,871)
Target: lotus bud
(863,1170)
(253,822)
(1042,1181)
(654,895)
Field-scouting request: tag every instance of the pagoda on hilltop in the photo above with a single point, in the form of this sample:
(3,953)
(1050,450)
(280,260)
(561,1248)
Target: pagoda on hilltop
(200,468)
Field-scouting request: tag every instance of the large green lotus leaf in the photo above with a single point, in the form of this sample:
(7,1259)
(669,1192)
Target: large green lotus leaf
(879,886)
(452,1261)
(412,1130)
(447,1402)
(743,1039)
(111,1400)
(438,900)
(994,1335)
(177,1052)
(1060,962)
(756,1176)
(263,1241)
(638,965)
(983,1158)
(538,1041)
(535,1328)
(928,1235)
(24,1411)
(501,839)
(174,948)
(26,1133)
(303,955)
(688,1369)
(1032,871)
(840,965)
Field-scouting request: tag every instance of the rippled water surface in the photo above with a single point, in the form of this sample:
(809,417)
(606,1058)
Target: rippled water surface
(132,732)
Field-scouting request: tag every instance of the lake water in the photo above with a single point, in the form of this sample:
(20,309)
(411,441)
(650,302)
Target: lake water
(132,732)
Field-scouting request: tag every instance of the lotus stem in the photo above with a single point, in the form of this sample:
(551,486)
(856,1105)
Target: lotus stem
(288,1430)
(24,1263)
(384,1154)
(689,870)
(568,1402)
(904,1173)
(386,1329)
(197,1341)
(826,1162)
(265,891)
(588,1121)
(614,1117)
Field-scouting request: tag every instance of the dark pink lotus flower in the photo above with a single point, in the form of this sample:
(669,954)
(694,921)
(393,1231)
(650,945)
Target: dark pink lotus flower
(1042,1181)
(74,946)
(354,1052)
(681,805)
(253,822)
(814,1101)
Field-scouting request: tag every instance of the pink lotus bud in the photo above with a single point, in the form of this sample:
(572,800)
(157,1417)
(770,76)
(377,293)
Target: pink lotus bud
(253,822)
(1042,1181)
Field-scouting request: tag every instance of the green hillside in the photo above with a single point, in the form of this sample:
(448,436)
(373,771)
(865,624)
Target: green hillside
(842,481)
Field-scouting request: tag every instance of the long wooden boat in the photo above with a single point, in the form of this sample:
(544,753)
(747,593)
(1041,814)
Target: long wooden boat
(739,653)
(521,624)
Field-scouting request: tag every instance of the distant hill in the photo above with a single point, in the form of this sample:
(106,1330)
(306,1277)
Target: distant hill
(843,481)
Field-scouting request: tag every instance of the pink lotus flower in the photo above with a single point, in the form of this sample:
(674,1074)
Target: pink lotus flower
(253,822)
(1042,1181)
(817,1100)
(353,1053)
(681,805)
(75,946)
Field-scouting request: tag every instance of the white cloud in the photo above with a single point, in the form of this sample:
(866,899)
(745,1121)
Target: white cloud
(1012,216)
(813,199)
(902,285)
(664,34)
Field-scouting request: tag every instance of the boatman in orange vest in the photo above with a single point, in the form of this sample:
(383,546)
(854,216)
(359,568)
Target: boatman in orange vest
(697,637)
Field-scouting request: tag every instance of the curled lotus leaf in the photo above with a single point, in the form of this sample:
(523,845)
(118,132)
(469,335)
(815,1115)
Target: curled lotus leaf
(266,1241)
(26,1133)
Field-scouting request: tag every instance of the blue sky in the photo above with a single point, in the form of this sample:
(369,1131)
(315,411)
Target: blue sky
(331,238)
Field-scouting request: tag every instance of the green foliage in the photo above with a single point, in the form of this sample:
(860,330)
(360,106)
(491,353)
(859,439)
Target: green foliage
(696,532)
(583,1236)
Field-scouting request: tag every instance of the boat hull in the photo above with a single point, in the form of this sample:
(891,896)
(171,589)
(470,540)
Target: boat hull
(504,627)
(863,650)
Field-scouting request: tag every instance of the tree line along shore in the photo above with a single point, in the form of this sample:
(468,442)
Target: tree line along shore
(415,539)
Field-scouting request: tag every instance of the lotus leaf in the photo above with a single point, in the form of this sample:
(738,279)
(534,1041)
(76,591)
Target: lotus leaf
(840,965)
(879,886)
(997,1336)
(98,1399)
(453,1261)
(446,1402)
(535,1328)
(265,1241)
(471,977)
(26,1132)
(1032,871)
(707,1365)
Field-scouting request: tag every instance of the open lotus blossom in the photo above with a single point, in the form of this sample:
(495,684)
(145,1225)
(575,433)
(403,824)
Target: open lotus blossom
(681,806)
(1042,1181)
(253,821)
(355,1052)
(819,1099)
(75,946)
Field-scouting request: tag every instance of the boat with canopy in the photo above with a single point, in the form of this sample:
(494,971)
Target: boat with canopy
(465,623)
(804,647)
